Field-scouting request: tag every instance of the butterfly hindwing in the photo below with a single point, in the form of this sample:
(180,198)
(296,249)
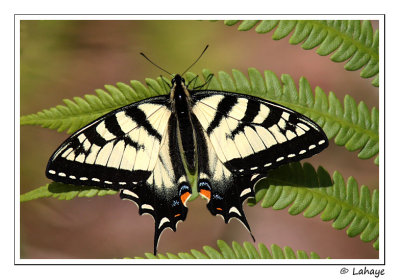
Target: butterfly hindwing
(165,193)
(225,191)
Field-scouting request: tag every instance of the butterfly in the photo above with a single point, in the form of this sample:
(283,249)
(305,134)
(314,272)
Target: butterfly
(160,151)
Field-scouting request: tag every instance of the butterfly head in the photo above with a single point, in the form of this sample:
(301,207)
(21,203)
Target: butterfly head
(178,80)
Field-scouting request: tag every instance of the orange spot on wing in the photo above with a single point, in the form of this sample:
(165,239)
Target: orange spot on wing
(177,215)
(220,209)
(206,194)
(185,197)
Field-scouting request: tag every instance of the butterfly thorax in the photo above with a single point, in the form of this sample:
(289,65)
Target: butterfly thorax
(181,107)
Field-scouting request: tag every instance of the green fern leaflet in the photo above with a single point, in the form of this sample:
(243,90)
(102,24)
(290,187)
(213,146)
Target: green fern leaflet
(350,40)
(313,192)
(64,192)
(247,251)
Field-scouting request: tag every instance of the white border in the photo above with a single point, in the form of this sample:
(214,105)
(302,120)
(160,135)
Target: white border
(194,17)
(17,143)
(382,141)
(184,17)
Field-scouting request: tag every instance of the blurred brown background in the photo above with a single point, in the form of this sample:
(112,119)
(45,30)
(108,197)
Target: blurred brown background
(63,59)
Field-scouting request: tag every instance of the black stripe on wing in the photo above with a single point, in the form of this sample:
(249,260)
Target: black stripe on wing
(223,108)
(140,117)
(98,176)
(112,125)
(252,111)
(92,136)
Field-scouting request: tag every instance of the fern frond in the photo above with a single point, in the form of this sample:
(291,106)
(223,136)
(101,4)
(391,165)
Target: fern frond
(63,192)
(354,126)
(236,251)
(313,192)
(350,40)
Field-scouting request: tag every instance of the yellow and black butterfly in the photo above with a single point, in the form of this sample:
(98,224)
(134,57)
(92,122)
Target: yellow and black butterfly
(150,149)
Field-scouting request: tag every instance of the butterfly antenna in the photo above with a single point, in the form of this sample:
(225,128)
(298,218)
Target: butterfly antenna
(148,59)
(196,60)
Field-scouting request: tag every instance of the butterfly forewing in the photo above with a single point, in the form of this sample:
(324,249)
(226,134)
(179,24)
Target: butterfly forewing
(251,135)
(118,150)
